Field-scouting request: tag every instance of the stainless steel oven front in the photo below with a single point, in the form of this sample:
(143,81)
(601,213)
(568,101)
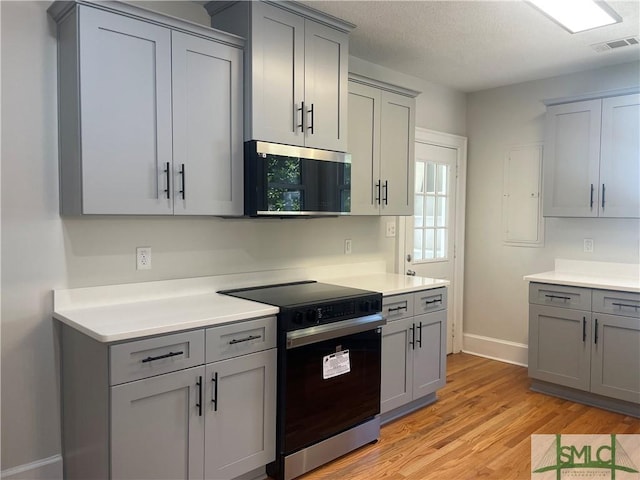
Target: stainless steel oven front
(331,397)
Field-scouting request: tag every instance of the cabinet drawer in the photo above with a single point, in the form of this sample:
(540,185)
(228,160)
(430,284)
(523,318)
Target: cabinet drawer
(430,300)
(397,307)
(626,304)
(154,356)
(240,338)
(560,296)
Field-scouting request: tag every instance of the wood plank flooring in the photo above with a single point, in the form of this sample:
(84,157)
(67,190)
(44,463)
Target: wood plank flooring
(479,428)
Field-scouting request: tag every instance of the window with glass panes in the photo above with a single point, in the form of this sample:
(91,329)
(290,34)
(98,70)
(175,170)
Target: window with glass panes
(430,223)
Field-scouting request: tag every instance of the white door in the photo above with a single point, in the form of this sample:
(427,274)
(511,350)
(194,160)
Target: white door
(431,232)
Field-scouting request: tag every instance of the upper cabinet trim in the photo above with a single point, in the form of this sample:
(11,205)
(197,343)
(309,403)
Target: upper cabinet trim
(60,9)
(379,84)
(591,96)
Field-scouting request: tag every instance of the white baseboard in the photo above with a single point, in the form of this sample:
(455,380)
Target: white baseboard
(495,349)
(45,469)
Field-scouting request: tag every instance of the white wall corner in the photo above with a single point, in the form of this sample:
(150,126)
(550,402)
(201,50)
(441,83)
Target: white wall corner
(495,349)
(45,469)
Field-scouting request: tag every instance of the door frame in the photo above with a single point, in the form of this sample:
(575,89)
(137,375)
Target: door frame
(456,302)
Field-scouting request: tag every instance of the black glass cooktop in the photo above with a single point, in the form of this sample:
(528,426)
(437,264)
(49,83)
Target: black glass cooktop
(291,295)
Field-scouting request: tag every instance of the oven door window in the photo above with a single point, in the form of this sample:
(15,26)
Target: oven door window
(318,408)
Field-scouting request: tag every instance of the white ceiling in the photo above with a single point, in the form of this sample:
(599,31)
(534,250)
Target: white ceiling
(477,44)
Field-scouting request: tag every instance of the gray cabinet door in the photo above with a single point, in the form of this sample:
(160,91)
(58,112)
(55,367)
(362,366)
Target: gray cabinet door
(240,414)
(364,146)
(397,162)
(325,87)
(571,159)
(277,75)
(397,365)
(620,151)
(125,104)
(560,346)
(157,430)
(207,127)
(430,354)
(615,357)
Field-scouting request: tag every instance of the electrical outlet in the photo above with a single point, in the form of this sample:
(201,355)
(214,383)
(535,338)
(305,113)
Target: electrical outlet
(391,229)
(347,246)
(588,245)
(143,258)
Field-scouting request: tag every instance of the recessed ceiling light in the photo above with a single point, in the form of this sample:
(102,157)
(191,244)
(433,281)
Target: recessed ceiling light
(578,15)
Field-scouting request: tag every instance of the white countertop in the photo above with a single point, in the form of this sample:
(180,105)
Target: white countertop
(126,321)
(115,313)
(600,275)
(388,283)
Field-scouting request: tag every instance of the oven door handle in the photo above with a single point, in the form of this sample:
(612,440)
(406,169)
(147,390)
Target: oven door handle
(318,333)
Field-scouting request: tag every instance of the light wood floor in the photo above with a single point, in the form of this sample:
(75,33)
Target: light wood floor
(478,429)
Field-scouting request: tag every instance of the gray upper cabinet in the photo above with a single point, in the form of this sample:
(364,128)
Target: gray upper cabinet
(591,166)
(381,143)
(149,113)
(296,72)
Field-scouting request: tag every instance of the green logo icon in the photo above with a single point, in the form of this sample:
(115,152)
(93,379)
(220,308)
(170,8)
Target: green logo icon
(609,455)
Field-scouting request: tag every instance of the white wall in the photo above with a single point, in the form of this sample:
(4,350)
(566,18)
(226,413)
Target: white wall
(495,294)
(41,251)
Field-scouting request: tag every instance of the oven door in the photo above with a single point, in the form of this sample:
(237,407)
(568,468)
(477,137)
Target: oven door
(332,380)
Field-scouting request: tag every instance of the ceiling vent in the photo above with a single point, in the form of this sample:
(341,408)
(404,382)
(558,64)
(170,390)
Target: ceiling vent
(615,44)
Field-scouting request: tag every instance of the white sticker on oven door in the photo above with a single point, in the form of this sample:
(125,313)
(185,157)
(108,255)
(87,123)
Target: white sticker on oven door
(336,364)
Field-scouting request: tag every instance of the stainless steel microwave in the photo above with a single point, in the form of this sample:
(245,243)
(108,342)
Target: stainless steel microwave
(283,180)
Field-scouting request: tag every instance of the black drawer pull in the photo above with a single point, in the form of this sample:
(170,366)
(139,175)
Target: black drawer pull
(584,329)
(160,357)
(214,399)
(625,305)
(247,339)
(420,337)
(595,338)
(395,309)
(558,297)
(199,404)
(412,342)
(429,302)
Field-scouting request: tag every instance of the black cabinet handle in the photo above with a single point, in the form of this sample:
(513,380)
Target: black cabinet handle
(160,357)
(558,297)
(184,188)
(413,336)
(167,172)
(584,329)
(420,336)
(595,338)
(301,125)
(591,197)
(386,192)
(429,302)
(377,192)
(603,196)
(199,404)
(625,305)
(214,399)
(395,309)
(246,339)
(312,122)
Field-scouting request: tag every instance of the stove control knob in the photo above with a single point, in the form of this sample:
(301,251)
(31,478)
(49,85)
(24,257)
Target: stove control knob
(311,316)
(365,306)
(376,306)
(297,317)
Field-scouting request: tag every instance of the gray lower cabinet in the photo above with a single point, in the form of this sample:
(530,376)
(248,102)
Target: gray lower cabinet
(156,429)
(576,341)
(240,414)
(190,405)
(413,350)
